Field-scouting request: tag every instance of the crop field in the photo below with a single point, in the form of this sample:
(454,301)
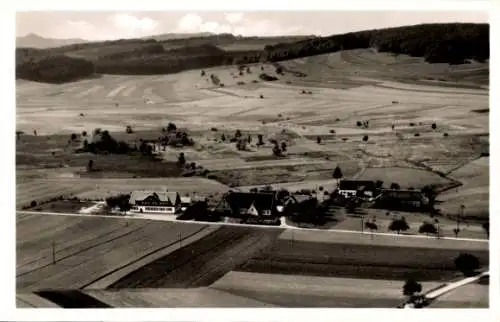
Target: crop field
(409,177)
(314,291)
(472,295)
(86,248)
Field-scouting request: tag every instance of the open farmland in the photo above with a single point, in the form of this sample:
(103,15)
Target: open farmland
(437,138)
(86,248)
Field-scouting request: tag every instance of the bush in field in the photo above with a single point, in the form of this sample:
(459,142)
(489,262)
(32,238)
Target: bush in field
(358,123)
(73,136)
(365,138)
(394,186)
(277,151)
(237,134)
(267,78)
(318,140)
(33,204)
(181,160)
(434,126)
(399,225)
(223,137)
(411,287)
(260,139)
(90,165)
(128,129)
(261,96)
(371,226)
(214,129)
(84,133)
(445,134)
(332,131)
(121,201)
(417,134)
(467,264)
(427,228)
(171,127)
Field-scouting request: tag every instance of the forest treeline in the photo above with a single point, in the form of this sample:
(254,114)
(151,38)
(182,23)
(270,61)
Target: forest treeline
(453,43)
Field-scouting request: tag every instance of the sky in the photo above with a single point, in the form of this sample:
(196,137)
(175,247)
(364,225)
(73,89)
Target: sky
(116,25)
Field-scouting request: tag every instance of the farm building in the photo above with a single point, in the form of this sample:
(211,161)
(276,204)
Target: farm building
(351,188)
(155,202)
(402,199)
(248,204)
(300,204)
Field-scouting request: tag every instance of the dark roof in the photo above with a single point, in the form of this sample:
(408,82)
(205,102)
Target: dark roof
(163,196)
(403,195)
(355,185)
(243,200)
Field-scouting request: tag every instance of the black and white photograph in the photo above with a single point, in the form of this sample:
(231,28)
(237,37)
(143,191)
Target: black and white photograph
(252,159)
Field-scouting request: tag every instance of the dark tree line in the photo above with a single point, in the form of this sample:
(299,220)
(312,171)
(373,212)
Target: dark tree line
(452,43)
(38,67)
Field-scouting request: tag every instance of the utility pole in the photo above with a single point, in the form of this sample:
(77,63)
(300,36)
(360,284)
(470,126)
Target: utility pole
(53,252)
(180,240)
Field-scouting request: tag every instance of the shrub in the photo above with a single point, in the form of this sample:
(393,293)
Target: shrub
(345,139)
(358,123)
(214,129)
(365,138)
(434,126)
(84,133)
(267,78)
(467,263)
(445,134)
(411,287)
(33,204)
(240,83)
(394,186)
(412,124)
(261,96)
(332,132)
(427,228)
(416,134)
(221,84)
(73,136)
(399,225)
(129,129)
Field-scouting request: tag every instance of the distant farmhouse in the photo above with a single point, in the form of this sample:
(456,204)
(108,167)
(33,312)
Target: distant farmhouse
(353,188)
(402,199)
(156,202)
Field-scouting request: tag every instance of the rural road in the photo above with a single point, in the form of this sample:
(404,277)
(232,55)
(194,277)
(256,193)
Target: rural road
(171,218)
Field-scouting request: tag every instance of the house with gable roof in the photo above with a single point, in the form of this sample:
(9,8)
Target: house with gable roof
(155,202)
(248,204)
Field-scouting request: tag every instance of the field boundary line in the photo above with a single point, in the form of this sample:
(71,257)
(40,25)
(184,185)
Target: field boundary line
(262,226)
(111,277)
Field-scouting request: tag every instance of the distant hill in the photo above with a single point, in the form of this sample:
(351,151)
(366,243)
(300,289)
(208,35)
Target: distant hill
(171,36)
(454,43)
(36,41)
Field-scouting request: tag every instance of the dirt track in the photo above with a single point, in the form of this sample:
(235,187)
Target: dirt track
(203,262)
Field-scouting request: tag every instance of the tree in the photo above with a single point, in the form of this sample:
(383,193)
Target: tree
(395,186)
(456,231)
(223,137)
(358,123)
(365,138)
(427,228)
(434,126)
(249,139)
(90,165)
(171,127)
(203,73)
(283,146)
(371,225)
(486,227)
(73,136)
(411,287)
(467,264)
(337,174)
(277,151)
(318,140)
(260,139)
(181,160)
(399,225)
(129,129)
(84,133)
(237,134)
(193,166)
(379,184)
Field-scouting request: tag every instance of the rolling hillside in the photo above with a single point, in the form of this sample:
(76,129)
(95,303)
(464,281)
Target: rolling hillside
(450,44)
